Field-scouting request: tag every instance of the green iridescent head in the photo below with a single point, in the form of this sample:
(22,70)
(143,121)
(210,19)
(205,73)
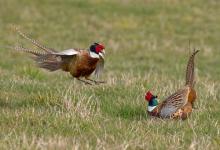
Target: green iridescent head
(152,101)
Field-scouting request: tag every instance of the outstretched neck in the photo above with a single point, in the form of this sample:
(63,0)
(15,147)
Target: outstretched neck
(152,104)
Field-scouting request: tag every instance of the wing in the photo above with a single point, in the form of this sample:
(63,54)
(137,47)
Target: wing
(68,52)
(99,67)
(66,58)
(59,60)
(174,102)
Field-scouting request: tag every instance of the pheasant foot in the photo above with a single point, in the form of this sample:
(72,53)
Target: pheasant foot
(86,82)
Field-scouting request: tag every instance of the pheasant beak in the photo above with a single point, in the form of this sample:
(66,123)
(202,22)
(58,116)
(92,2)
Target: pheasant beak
(102,53)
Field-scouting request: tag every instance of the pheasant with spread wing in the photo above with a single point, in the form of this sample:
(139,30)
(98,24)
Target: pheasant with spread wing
(79,63)
(179,104)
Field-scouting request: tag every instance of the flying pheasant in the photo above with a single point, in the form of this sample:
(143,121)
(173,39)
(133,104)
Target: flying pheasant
(180,103)
(80,63)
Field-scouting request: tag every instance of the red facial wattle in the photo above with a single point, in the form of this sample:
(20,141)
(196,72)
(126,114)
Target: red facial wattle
(99,48)
(148,96)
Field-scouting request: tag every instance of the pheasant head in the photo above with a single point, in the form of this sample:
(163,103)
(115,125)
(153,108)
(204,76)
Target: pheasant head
(97,50)
(152,101)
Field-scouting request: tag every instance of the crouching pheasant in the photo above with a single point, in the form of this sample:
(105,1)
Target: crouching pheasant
(78,62)
(180,103)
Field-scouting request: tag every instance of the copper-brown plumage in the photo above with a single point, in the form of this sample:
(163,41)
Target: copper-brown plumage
(79,63)
(179,104)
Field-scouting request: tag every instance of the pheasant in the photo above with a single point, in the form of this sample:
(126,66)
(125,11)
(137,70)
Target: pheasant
(178,105)
(80,63)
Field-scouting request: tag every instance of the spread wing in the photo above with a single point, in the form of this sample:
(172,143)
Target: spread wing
(68,52)
(62,59)
(174,102)
(99,67)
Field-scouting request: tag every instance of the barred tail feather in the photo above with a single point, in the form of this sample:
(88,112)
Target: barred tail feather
(34,52)
(44,60)
(34,42)
(190,70)
(27,50)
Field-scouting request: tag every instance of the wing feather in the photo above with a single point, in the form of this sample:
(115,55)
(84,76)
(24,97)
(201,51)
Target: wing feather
(68,52)
(174,102)
(99,67)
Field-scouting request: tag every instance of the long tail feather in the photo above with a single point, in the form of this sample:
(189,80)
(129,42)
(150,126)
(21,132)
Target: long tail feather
(190,70)
(44,60)
(19,48)
(34,42)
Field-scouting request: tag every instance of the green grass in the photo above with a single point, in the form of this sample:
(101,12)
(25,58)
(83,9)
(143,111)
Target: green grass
(147,48)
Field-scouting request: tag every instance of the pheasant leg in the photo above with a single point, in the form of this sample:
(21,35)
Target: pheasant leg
(96,82)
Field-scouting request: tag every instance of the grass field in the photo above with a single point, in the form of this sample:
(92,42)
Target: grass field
(147,48)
